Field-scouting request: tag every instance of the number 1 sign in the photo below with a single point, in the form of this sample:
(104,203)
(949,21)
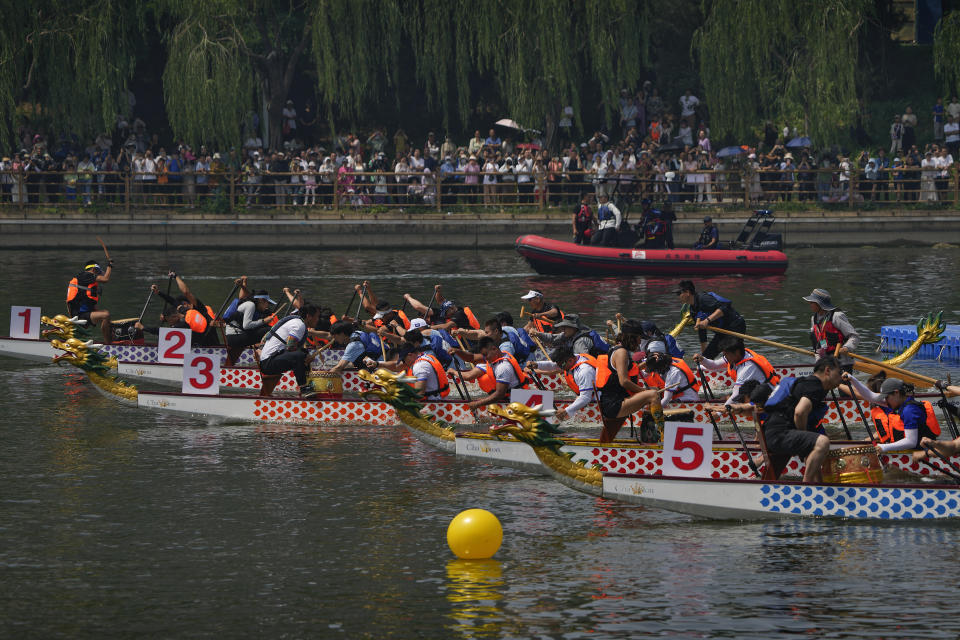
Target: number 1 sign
(201,374)
(25,323)
(687,449)
(173,345)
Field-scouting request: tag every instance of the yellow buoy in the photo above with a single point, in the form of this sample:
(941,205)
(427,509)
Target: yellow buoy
(475,534)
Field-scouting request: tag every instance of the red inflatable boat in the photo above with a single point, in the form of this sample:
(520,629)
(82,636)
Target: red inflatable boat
(555,257)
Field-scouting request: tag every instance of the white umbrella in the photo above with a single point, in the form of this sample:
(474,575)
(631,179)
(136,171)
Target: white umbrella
(509,124)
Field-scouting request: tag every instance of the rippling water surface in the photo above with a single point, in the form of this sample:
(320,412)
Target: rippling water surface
(116,522)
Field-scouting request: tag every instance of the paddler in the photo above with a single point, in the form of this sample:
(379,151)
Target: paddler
(580,373)
(509,343)
(830,327)
(710,309)
(901,421)
(283,347)
(671,374)
(362,349)
(422,364)
(572,334)
(83,294)
(620,395)
(794,409)
(189,313)
(543,314)
(742,365)
(447,315)
(501,373)
(249,322)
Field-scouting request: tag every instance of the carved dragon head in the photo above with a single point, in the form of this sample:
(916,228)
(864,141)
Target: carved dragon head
(79,354)
(63,328)
(526,424)
(929,330)
(393,388)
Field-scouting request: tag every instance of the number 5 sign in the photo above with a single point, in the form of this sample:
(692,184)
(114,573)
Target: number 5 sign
(687,449)
(25,322)
(201,374)
(173,345)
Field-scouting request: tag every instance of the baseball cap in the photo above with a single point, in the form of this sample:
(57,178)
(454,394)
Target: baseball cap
(530,295)
(418,323)
(890,385)
(656,346)
(263,295)
(92,264)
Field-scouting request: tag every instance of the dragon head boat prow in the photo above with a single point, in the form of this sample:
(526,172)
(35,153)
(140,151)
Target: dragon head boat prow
(929,331)
(63,327)
(96,365)
(527,424)
(395,390)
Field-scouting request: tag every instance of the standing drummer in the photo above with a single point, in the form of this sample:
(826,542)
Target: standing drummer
(830,327)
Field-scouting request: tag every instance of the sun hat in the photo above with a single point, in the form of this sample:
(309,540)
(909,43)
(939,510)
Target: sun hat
(530,295)
(566,322)
(263,295)
(822,298)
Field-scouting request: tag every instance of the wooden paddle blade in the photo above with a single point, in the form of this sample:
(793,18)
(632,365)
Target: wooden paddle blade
(920,382)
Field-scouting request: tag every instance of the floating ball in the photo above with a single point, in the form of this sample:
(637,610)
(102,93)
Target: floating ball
(475,534)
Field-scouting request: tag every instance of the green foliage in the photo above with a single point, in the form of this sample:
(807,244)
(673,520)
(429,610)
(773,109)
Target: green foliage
(788,62)
(946,52)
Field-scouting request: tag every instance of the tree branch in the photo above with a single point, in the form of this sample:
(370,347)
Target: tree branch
(295,55)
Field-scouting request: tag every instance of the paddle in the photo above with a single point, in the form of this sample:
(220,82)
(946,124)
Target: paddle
(147,304)
(430,304)
(166,305)
(713,421)
(105,252)
(219,313)
(536,378)
(946,412)
(929,449)
(350,304)
(743,443)
(706,385)
(363,294)
(865,365)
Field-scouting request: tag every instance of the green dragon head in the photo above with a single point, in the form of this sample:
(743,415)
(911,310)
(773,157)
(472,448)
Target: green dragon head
(393,389)
(79,354)
(64,328)
(526,424)
(930,329)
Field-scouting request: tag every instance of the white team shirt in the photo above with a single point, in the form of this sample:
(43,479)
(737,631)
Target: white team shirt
(278,341)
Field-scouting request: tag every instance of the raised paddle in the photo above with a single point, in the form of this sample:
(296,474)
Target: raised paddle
(536,378)
(219,313)
(865,364)
(166,305)
(430,304)
(146,304)
(743,443)
(350,304)
(363,294)
(105,252)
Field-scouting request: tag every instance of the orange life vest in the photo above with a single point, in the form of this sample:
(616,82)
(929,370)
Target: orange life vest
(544,325)
(751,356)
(74,289)
(605,371)
(488,381)
(196,320)
(890,425)
(472,319)
(583,360)
(655,381)
(443,383)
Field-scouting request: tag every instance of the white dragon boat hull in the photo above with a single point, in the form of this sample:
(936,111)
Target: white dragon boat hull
(759,500)
(622,456)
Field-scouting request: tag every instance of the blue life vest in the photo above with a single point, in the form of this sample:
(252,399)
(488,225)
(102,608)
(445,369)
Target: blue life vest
(599,344)
(520,349)
(526,339)
(672,347)
(782,393)
(603,213)
(440,349)
(370,341)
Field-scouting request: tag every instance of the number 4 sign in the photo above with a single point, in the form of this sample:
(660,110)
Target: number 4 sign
(532,397)
(173,345)
(25,322)
(687,449)
(201,374)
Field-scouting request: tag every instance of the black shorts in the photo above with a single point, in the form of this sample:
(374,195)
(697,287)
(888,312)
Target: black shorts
(246,338)
(610,405)
(791,442)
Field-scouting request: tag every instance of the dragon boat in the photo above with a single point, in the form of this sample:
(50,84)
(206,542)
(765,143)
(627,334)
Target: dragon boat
(620,456)
(730,498)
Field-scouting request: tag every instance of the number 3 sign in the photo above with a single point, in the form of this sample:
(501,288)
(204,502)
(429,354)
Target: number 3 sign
(173,345)
(25,322)
(687,449)
(201,374)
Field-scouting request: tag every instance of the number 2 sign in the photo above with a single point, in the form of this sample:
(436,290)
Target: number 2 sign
(25,322)
(201,374)
(173,345)
(687,449)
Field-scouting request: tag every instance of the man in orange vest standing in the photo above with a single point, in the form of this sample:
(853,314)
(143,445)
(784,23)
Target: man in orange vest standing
(83,294)
(830,327)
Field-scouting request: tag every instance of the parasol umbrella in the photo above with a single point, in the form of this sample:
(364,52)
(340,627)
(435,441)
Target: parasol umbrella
(727,152)
(799,142)
(529,145)
(507,123)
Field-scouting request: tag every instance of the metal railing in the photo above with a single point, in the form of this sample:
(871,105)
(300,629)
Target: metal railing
(223,191)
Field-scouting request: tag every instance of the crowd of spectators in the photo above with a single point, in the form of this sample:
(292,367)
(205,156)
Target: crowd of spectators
(657,150)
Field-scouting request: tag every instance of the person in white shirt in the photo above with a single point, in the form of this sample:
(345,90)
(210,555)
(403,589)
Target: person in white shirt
(951,132)
(674,376)
(580,372)
(490,172)
(688,106)
(928,189)
(747,365)
(283,347)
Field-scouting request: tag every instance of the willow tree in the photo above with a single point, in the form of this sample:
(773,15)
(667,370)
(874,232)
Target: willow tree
(781,60)
(66,63)
(540,54)
(221,52)
(946,52)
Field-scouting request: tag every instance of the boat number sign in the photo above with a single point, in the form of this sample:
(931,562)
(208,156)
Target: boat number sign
(532,397)
(25,322)
(173,345)
(201,374)
(687,449)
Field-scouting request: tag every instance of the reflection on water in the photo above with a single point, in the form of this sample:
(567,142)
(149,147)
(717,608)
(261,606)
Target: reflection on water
(167,526)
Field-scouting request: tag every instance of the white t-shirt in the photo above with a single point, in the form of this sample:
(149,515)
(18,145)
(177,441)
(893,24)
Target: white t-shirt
(423,372)
(503,372)
(278,341)
(675,379)
(952,131)
(747,370)
(687,105)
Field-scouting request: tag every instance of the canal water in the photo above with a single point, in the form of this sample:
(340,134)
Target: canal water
(117,522)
